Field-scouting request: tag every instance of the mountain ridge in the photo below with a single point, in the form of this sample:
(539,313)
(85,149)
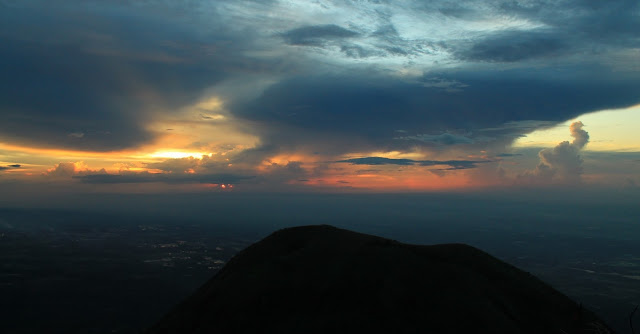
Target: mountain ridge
(319,278)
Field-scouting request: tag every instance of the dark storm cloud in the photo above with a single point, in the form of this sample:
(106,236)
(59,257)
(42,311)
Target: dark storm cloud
(515,46)
(90,80)
(516,128)
(453,164)
(365,110)
(610,22)
(559,29)
(91,75)
(317,35)
(588,25)
(441,139)
(50,91)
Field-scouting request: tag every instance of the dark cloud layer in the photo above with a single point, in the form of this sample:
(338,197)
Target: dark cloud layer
(91,75)
(515,46)
(14,166)
(453,164)
(570,28)
(372,109)
(91,80)
(608,22)
(144,177)
(441,139)
(317,35)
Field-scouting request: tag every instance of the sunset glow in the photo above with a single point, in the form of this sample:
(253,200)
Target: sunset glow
(177,154)
(317,100)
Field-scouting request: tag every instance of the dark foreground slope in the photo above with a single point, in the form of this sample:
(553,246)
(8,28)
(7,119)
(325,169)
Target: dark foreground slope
(320,279)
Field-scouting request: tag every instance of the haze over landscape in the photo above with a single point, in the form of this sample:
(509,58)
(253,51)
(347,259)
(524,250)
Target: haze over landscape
(136,135)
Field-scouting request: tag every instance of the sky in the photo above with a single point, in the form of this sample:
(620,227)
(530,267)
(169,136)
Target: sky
(190,96)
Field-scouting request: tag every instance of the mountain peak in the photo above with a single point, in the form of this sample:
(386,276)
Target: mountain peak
(321,279)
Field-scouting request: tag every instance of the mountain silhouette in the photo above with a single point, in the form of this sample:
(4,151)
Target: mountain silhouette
(321,279)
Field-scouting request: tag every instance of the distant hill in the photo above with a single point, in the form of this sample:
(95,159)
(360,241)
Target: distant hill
(321,279)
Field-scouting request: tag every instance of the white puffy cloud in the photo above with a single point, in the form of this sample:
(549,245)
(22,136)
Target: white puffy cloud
(562,163)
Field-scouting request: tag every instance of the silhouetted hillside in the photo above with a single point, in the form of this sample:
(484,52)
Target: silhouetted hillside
(320,279)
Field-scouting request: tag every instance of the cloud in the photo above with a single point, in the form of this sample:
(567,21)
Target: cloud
(317,35)
(279,173)
(513,46)
(180,165)
(453,164)
(562,163)
(146,177)
(176,171)
(205,164)
(64,169)
(373,161)
(606,22)
(362,111)
(357,51)
(333,77)
(67,170)
(441,139)
(101,73)
(561,29)
(451,86)
(14,166)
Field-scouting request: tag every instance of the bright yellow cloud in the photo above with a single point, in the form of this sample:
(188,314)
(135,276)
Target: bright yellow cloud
(202,128)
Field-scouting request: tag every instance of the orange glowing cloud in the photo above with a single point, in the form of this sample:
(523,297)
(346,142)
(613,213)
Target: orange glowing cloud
(202,129)
(404,178)
(404,172)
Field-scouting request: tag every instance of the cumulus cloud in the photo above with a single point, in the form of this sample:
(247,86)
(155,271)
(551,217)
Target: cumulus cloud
(562,163)
(204,164)
(64,169)
(67,170)
(181,165)
(174,173)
